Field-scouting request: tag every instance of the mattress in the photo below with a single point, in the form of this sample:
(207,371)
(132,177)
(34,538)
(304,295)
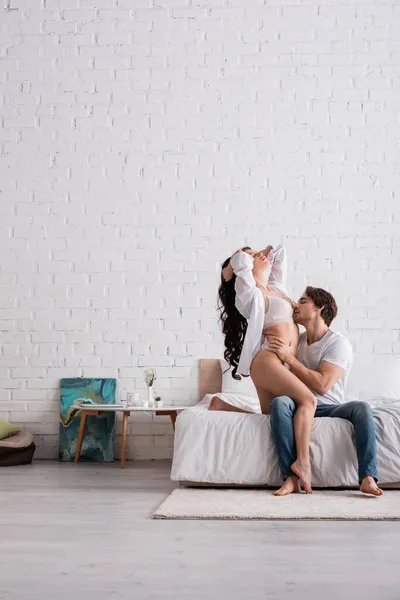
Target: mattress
(229,448)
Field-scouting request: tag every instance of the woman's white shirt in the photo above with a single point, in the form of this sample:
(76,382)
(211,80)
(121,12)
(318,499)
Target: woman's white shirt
(250,300)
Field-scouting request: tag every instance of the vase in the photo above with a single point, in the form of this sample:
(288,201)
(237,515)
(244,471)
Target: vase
(158,403)
(150,395)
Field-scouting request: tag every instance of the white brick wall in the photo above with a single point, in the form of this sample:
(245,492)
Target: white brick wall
(142,141)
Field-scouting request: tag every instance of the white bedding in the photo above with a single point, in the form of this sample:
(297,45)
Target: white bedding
(235,448)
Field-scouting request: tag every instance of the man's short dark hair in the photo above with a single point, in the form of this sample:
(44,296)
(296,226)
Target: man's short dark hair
(322,298)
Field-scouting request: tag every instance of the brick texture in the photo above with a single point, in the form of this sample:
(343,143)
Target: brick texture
(143,141)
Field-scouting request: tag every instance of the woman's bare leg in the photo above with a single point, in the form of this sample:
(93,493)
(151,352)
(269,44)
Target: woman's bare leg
(269,374)
(291,485)
(265,399)
(218,404)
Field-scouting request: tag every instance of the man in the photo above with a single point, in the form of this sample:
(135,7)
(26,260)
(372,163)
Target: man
(323,362)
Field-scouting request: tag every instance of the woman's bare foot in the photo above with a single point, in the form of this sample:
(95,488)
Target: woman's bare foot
(303,472)
(218,404)
(291,486)
(368,486)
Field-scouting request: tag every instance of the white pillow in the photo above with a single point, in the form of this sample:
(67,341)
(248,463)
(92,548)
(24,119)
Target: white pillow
(232,386)
(241,394)
(374,377)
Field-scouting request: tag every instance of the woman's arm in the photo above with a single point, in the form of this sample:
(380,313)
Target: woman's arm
(227,272)
(278,260)
(245,284)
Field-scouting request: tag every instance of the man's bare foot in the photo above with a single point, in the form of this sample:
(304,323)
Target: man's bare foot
(291,486)
(303,472)
(368,486)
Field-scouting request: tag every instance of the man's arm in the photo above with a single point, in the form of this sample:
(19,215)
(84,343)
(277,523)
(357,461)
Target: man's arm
(320,381)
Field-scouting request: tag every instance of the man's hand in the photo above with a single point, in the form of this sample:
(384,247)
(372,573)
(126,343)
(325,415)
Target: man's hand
(279,347)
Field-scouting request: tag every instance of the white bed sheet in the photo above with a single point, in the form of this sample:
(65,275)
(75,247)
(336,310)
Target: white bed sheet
(219,447)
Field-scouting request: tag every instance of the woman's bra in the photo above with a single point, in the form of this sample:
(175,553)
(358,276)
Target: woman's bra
(279,311)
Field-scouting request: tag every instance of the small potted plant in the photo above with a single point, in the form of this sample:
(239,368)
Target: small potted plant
(158,401)
(149,378)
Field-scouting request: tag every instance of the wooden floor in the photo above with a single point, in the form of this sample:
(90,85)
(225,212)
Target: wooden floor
(74,532)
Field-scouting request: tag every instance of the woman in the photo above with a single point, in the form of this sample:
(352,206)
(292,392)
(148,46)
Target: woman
(254,311)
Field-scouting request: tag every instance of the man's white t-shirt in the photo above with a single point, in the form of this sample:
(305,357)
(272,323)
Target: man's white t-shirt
(334,348)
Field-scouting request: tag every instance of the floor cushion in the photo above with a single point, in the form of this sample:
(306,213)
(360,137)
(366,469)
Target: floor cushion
(12,457)
(17,449)
(23,439)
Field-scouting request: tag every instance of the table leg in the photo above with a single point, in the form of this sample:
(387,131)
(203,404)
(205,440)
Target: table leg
(172,414)
(124,434)
(80,436)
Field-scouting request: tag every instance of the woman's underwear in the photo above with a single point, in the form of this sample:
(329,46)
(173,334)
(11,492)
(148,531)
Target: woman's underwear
(279,311)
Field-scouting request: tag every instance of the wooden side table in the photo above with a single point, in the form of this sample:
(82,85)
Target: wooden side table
(93,409)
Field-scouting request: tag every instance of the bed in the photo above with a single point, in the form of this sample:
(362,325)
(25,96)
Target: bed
(217,448)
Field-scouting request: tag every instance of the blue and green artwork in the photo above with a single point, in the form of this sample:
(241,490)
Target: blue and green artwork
(98,442)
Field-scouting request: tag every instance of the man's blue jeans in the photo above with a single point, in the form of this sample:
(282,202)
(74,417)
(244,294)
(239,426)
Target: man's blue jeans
(358,413)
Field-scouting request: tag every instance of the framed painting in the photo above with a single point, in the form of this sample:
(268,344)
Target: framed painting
(99,440)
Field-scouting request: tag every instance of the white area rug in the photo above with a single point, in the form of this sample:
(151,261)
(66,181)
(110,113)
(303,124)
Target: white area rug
(349,505)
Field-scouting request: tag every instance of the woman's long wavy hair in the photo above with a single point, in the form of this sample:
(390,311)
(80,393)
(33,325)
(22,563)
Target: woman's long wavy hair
(233,324)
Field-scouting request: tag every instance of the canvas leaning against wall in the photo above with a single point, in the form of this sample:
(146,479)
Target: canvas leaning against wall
(99,440)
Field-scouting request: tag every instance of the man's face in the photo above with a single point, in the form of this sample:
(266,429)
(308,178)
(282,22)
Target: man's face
(304,310)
